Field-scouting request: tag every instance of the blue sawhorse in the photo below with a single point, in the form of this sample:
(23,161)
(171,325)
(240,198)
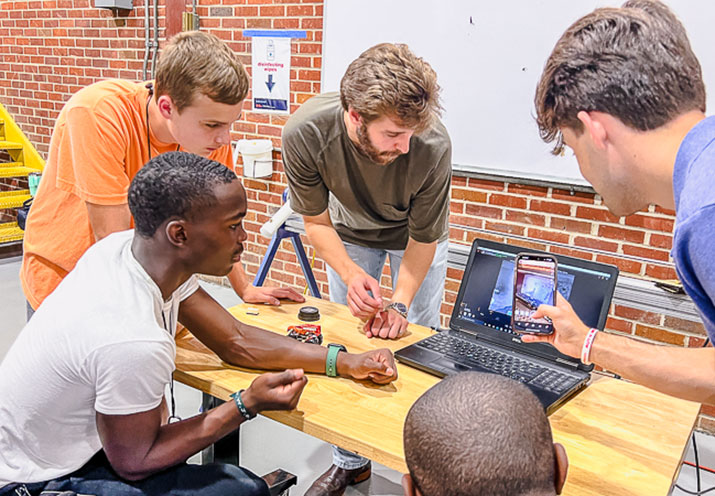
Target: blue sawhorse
(275,243)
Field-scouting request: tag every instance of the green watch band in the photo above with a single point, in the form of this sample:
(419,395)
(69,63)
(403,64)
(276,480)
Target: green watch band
(331,362)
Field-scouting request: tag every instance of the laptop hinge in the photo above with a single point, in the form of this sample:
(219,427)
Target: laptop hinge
(569,363)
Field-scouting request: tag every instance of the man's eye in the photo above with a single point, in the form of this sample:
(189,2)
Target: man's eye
(212,126)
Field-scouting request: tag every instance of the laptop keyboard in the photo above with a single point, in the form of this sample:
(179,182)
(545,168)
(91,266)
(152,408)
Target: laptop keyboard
(472,354)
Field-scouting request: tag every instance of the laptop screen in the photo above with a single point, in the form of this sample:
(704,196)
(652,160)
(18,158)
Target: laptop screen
(486,293)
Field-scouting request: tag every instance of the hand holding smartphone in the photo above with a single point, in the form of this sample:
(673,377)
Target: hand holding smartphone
(534,285)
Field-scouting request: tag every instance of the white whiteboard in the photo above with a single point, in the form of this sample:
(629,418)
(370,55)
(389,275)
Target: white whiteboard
(488,68)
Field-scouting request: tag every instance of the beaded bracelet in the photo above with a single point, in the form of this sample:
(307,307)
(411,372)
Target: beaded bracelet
(241,406)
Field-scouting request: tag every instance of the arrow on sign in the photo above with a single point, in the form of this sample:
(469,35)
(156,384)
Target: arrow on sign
(270,82)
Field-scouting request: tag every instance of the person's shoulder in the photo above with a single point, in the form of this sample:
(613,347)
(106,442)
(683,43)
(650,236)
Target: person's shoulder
(316,115)
(436,136)
(106,94)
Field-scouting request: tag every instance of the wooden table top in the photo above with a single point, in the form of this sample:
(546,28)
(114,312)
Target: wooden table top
(621,438)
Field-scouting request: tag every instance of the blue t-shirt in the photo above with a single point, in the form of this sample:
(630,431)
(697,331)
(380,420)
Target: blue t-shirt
(694,236)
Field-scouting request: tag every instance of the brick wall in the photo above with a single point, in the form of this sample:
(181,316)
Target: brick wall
(51,48)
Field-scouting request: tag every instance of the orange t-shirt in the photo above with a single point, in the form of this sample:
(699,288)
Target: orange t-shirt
(98,145)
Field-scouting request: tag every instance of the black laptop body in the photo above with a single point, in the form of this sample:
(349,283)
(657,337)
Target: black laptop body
(480,336)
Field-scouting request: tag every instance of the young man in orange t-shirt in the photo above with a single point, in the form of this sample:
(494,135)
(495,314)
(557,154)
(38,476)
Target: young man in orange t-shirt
(107,132)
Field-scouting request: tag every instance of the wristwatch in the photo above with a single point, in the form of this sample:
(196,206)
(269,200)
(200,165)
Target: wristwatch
(331,362)
(398,307)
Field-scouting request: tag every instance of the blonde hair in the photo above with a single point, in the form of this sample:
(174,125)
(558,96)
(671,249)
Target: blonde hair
(388,79)
(200,62)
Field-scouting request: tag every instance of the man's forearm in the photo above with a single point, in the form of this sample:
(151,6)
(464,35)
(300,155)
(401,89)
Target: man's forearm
(687,373)
(238,279)
(414,267)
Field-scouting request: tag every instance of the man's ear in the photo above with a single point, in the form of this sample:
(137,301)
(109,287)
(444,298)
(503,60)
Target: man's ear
(354,117)
(561,468)
(176,232)
(408,487)
(166,106)
(593,124)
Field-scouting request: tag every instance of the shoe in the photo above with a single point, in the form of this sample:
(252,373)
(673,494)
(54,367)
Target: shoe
(336,480)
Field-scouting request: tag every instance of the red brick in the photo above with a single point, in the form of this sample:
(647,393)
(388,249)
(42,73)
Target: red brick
(483,211)
(484,184)
(505,228)
(660,272)
(660,335)
(621,234)
(665,211)
(598,214)
(639,251)
(661,241)
(525,218)
(571,252)
(507,200)
(527,190)
(557,237)
(550,207)
(469,195)
(471,236)
(624,265)
(470,221)
(570,225)
(530,245)
(619,325)
(595,243)
(638,315)
(684,325)
(652,223)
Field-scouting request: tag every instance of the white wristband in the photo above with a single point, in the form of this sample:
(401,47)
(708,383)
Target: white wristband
(587,344)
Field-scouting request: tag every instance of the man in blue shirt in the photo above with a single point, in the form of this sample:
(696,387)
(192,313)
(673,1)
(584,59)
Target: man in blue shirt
(623,89)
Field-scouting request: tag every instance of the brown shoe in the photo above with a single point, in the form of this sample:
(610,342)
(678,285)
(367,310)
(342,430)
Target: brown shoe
(336,480)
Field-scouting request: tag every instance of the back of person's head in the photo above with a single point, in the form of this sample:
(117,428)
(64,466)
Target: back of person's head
(197,62)
(480,434)
(174,185)
(634,63)
(389,80)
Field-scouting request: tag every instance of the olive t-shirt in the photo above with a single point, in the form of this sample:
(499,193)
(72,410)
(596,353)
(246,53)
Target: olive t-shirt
(378,206)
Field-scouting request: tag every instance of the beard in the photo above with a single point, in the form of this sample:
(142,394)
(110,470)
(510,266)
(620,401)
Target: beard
(368,149)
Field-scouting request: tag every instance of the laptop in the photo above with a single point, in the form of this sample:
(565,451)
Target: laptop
(480,337)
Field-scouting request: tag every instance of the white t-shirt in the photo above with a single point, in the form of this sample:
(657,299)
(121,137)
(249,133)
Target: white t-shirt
(103,341)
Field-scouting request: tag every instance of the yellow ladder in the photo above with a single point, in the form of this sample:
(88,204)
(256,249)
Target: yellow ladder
(21,159)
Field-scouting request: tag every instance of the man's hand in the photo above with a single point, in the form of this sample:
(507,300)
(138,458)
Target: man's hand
(275,391)
(269,295)
(569,331)
(360,303)
(386,324)
(376,365)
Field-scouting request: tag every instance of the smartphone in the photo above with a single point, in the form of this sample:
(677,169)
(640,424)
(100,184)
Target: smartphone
(534,284)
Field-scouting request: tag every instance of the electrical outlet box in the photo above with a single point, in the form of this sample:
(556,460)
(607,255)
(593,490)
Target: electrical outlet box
(114,4)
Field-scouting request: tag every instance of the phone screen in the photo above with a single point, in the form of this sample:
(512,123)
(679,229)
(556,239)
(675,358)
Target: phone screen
(534,285)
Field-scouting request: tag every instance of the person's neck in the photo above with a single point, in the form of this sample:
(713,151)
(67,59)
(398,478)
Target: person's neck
(654,153)
(158,124)
(166,273)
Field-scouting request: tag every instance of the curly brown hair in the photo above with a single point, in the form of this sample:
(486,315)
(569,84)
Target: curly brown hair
(389,80)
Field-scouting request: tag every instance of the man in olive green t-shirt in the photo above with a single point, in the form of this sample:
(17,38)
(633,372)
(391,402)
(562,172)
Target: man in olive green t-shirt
(370,171)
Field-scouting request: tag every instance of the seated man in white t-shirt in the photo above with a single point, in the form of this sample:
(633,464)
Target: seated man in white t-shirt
(82,387)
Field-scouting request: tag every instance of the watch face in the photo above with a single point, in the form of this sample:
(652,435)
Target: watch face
(400,307)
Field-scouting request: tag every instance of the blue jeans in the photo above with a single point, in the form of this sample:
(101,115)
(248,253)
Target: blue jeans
(424,310)
(97,477)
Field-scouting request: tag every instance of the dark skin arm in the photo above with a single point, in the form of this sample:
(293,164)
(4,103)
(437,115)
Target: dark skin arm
(252,347)
(138,445)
